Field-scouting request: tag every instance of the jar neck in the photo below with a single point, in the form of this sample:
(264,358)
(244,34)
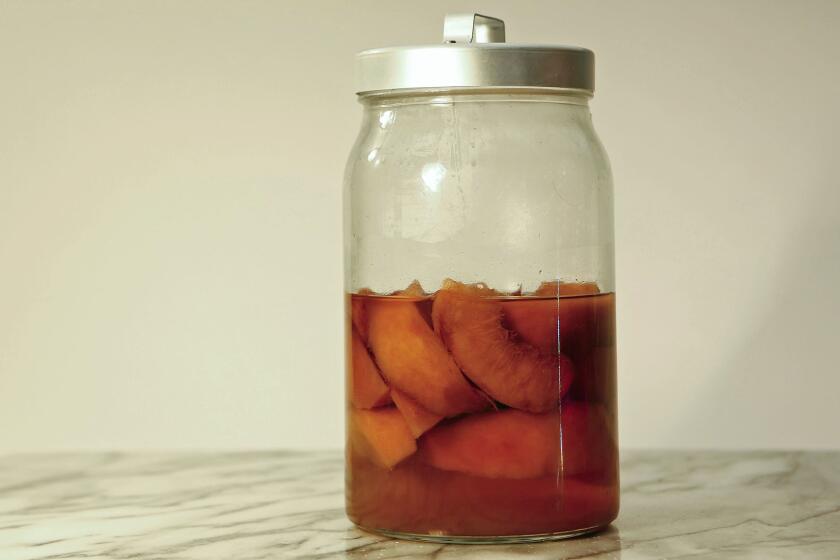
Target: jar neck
(447,97)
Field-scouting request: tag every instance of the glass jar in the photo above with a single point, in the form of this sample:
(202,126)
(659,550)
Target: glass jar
(481,369)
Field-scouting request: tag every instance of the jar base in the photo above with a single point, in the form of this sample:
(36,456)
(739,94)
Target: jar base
(484,539)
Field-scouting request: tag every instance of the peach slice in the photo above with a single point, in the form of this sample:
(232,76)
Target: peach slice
(418,295)
(414,360)
(504,444)
(511,371)
(515,444)
(418,418)
(420,499)
(560,288)
(550,325)
(535,321)
(382,435)
(590,443)
(367,389)
(555,324)
(567,324)
(358,313)
(413,290)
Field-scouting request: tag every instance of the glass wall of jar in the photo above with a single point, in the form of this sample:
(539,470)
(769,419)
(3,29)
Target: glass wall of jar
(481,378)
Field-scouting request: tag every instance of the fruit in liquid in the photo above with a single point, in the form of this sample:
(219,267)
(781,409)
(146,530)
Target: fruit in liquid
(495,416)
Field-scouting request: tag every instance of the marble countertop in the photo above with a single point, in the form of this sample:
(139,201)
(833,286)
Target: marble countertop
(280,505)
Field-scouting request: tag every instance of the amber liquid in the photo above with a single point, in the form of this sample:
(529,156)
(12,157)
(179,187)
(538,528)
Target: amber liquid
(477,414)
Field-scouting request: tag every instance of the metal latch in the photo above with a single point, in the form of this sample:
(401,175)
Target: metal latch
(473,28)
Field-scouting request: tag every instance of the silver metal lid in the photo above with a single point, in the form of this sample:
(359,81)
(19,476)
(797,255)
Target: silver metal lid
(474,55)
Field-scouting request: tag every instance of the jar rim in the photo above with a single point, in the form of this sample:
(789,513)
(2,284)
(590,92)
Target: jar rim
(474,95)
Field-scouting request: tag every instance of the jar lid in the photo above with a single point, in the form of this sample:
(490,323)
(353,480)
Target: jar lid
(474,55)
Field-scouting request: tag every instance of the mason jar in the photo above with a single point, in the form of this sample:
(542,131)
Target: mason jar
(479,271)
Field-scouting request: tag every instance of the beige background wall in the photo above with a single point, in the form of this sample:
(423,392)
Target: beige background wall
(170,266)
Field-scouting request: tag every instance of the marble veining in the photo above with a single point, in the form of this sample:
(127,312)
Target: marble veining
(289,505)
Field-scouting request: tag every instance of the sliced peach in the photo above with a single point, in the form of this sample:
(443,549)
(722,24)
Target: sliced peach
(418,418)
(536,321)
(560,288)
(358,313)
(590,445)
(479,289)
(413,290)
(418,295)
(414,360)
(367,389)
(515,444)
(552,325)
(555,324)
(504,444)
(420,499)
(382,435)
(510,370)
(565,324)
